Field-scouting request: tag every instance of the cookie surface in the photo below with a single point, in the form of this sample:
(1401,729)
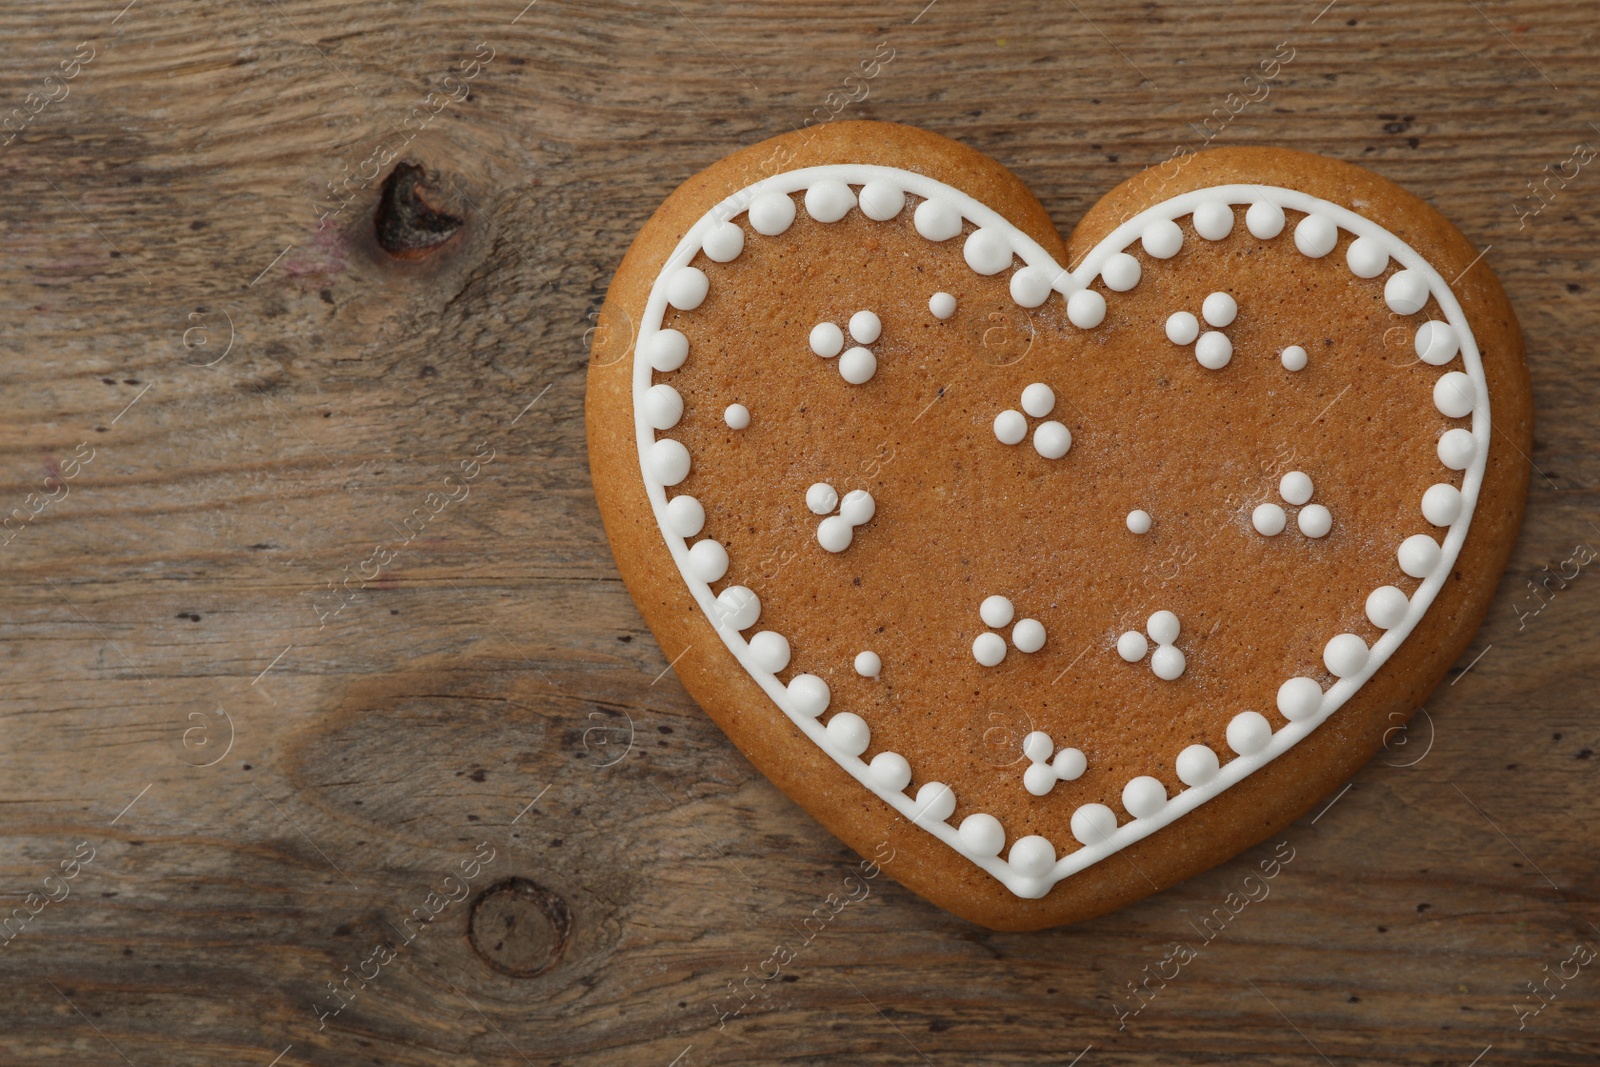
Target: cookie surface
(1066,569)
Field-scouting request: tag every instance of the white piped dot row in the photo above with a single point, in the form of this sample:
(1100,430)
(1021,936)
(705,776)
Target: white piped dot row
(935,801)
(1167,662)
(1051,439)
(989,649)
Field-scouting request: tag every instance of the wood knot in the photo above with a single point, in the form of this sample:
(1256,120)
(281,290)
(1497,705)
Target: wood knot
(519,927)
(410,223)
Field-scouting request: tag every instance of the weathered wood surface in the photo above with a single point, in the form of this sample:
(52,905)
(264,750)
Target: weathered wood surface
(221,407)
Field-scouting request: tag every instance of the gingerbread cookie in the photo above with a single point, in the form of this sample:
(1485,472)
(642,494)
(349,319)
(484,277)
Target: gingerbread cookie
(1066,569)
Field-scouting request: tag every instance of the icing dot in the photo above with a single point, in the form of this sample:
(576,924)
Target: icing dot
(1452,395)
(937,220)
(1219,309)
(1030,286)
(1264,220)
(1296,487)
(829,200)
(1038,400)
(881,200)
(1405,292)
(1344,656)
(1033,856)
(848,733)
(865,327)
(858,365)
(687,288)
(1029,888)
(1037,746)
(982,835)
(1086,309)
(987,251)
(1300,698)
(1163,627)
(686,516)
(821,498)
(1294,358)
(669,461)
(737,417)
(1441,504)
(724,243)
(738,607)
(989,649)
(771,213)
(1315,236)
(1093,823)
(1010,427)
(936,802)
(668,350)
(1419,555)
(827,340)
(1052,440)
(868,664)
(1197,765)
(1028,635)
(1039,779)
(1161,239)
(1315,520)
(663,407)
(1387,607)
(1213,220)
(808,695)
(1213,350)
(1139,522)
(1069,764)
(1144,796)
(1121,272)
(1457,449)
(1168,662)
(942,305)
(1436,342)
(857,507)
(1268,519)
(1249,733)
(708,560)
(1366,257)
(834,534)
(770,651)
(1182,328)
(996,611)
(891,771)
(1132,646)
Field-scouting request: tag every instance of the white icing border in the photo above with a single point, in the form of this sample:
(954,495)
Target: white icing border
(1065,283)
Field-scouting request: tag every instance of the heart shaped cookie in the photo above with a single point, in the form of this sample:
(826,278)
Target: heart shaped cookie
(1055,572)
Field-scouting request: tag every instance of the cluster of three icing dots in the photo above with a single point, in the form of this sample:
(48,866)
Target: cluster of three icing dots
(858,365)
(835,532)
(1295,487)
(989,649)
(1051,439)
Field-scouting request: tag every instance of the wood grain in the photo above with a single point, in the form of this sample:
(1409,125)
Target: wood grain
(304,781)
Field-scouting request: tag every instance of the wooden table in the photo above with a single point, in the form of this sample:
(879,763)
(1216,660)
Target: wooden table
(327,718)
